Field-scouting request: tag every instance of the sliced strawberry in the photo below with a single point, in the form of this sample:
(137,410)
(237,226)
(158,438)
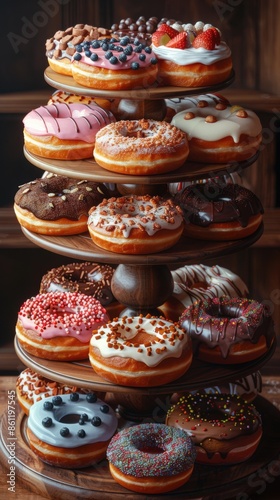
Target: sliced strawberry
(160,38)
(206,40)
(217,35)
(168,29)
(178,42)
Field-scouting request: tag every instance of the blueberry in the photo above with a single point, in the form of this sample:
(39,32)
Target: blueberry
(74,396)
(148,50)
(91,397)
(81,421)
(154,60)
(87,53)
(113,40)
(122,57)
(108,54)
(105,46)
(138,49)
(113,60)
(135,65)
(104,408)
(84,416)
(112,46)
(47,422)
(142,57)
(95,44)
(77,56)
(79,48)
(128,50)
(64,431)
(94,56)
(48,406)
(96,421)
(57,400)
(124,41)
(81,433)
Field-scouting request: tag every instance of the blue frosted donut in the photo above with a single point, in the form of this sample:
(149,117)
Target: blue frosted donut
(140,456)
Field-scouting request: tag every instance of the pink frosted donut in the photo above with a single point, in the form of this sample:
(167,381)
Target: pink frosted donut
(64,131)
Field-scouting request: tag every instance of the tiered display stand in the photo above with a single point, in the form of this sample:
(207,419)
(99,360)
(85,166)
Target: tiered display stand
(142,283)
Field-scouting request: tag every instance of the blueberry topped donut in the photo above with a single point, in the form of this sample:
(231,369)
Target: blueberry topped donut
(114,65)
(151,458)
(71,430)
(57,205)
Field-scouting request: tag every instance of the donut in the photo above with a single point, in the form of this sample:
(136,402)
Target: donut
(141,147)
(140,351)
(64,131)
(175,105)
(140,28)
(224,428)
(61,46)
(151,458)
(135,224)
(32,387)
(198,282)
(228,330)
(58,326)
(70,430)
(114,65)
(219,212)
(69,98)
(84,277)
(191,55)
(56,205)
(217,132)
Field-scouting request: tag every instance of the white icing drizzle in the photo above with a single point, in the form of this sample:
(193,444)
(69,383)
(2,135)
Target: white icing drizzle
(51,435)
(123,338)
(151,214)
(192,55)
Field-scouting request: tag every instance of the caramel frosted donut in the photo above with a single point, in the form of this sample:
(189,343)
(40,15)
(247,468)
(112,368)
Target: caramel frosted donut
(135,224)
(224,428)
(141,147)
(64,131)
(226,330)
(59,325)
(60,48)
(71,430)
(114,65)
(83,277)
(198,282)
(151,458)
(214,212)
(32,387)
(140,351)
(56,205)
(187,58)
(217,132)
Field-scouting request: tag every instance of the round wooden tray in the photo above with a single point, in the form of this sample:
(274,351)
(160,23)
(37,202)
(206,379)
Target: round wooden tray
(97,483)
(199,375)
(185,251)
(90,170)
(68,84)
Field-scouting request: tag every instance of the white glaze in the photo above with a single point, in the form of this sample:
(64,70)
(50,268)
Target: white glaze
(51,435)
(192,55)
(167,339)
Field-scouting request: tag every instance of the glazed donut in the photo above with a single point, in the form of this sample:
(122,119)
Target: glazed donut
(141,147)
(217,132)
(64,131)
(69,98)
(140,351)
(114,65)
(57,205)
(71,430)
(135,224)
(225,330)
(214,212)
(191,55)
(198,282)
(61,46)
(84,277)
(224,428)
(32,387)
(58,325)
(151,458)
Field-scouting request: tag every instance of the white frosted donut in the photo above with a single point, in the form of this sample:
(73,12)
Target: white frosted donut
(140,351)
(71,430)
(64,131)
(135,224)
(141,147)
(218,132)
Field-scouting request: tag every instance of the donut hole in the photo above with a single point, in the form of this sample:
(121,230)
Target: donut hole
(149,444)
(202,285)
(134,132)
(70,418)
(223,311)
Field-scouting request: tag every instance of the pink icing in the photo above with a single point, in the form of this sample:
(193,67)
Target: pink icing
(56,314)
(68,121)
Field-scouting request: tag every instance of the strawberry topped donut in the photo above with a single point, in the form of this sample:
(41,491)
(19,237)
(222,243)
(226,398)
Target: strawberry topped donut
(191,55)
(110,64)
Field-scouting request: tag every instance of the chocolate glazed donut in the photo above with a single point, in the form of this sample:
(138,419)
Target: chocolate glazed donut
(219,213)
